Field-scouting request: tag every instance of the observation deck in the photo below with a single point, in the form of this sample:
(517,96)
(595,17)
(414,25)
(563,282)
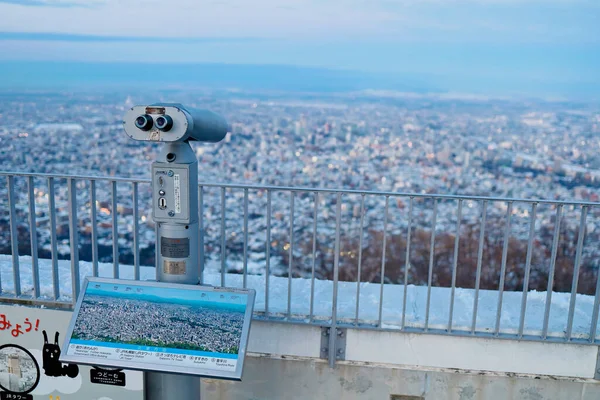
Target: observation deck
(360,294)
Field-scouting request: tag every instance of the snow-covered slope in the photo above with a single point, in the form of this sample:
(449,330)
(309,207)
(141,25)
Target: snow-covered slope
(369,299)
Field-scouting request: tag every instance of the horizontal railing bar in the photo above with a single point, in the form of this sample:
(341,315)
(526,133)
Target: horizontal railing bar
(29,301)
(398,194)
(77,177)
(299,320)
(320,190)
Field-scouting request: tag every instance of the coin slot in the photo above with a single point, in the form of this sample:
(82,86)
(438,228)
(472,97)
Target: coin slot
(162,203)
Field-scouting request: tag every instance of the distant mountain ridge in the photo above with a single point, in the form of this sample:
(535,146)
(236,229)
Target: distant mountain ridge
(38,74)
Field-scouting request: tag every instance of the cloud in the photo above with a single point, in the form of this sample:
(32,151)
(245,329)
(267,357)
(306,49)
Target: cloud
(53,3)
(69,37)
(206,22)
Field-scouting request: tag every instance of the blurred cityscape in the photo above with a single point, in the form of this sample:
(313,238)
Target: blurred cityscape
(366,141)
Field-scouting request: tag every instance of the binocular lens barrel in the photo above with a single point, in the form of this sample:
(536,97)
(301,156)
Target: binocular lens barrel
(144,122)
(164,123)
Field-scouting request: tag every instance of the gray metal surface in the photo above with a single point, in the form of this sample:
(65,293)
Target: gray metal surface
(383,248)
(35,270)
(14,238)
(115,229)
(360,250)
(245,267)
(223,245)
(136,228)
(74,237)
(597,371)
(479,262)
(454,264)
(175,386)
(94,223)
(527,268)
(178,224)
(552,270)
(336,271)
(580,238)
(431,259)
(338,338)
(314,258)
(201,234)
(503,268)
(53,245)
(290,256)
(407,263)
(268,253)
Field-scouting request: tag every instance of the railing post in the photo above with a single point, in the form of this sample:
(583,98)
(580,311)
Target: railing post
(336,266)
(201,234)
(503,267)
(223,241)
(314,259)
(360,246)
(527,269)
(94,221)
(136,244)
(268,253)
(53,244)
(479,261)
(74,237)
(431,260)
(407,263)
(551,272)
(14,238)
(35,271)
(290,257)
(115,230)
(455,264)
(580,238)
(245,278)
(381,288)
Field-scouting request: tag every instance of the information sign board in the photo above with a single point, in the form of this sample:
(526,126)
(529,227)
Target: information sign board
(165,327)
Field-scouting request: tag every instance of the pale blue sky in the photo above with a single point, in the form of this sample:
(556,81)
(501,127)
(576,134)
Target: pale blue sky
(460,42)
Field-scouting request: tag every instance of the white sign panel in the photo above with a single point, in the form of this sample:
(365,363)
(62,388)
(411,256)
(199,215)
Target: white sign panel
(153,326)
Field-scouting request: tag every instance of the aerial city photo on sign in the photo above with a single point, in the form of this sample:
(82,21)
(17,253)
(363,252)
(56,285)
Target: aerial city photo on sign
(123,324)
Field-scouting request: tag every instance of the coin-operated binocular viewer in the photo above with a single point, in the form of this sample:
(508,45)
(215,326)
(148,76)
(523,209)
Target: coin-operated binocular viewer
(175,181)
(174,207)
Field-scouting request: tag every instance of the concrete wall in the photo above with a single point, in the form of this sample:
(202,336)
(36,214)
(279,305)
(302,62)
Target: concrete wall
(284,364)
(273,379)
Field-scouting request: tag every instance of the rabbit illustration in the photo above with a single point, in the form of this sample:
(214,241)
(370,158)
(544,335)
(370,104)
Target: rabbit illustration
(52,366)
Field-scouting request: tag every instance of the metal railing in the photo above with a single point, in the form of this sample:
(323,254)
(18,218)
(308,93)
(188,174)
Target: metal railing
(441,264)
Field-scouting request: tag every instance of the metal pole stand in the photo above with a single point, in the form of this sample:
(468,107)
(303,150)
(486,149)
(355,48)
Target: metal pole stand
(175,211)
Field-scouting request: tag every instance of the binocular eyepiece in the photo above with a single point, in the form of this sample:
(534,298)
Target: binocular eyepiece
(144,122)
(166,122)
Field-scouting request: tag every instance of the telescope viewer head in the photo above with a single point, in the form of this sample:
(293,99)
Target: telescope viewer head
(172,122)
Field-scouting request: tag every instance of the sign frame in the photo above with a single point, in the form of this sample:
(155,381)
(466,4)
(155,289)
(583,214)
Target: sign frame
(158,367)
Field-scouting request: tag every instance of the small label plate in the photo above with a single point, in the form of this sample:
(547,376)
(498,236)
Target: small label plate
(107,377)
(15,396)
(177,193)
(174,267)
(175,248)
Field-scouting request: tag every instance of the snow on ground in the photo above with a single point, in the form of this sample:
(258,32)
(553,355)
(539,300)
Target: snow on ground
(369,299)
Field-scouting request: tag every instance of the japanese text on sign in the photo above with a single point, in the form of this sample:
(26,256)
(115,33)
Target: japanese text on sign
(18,329)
